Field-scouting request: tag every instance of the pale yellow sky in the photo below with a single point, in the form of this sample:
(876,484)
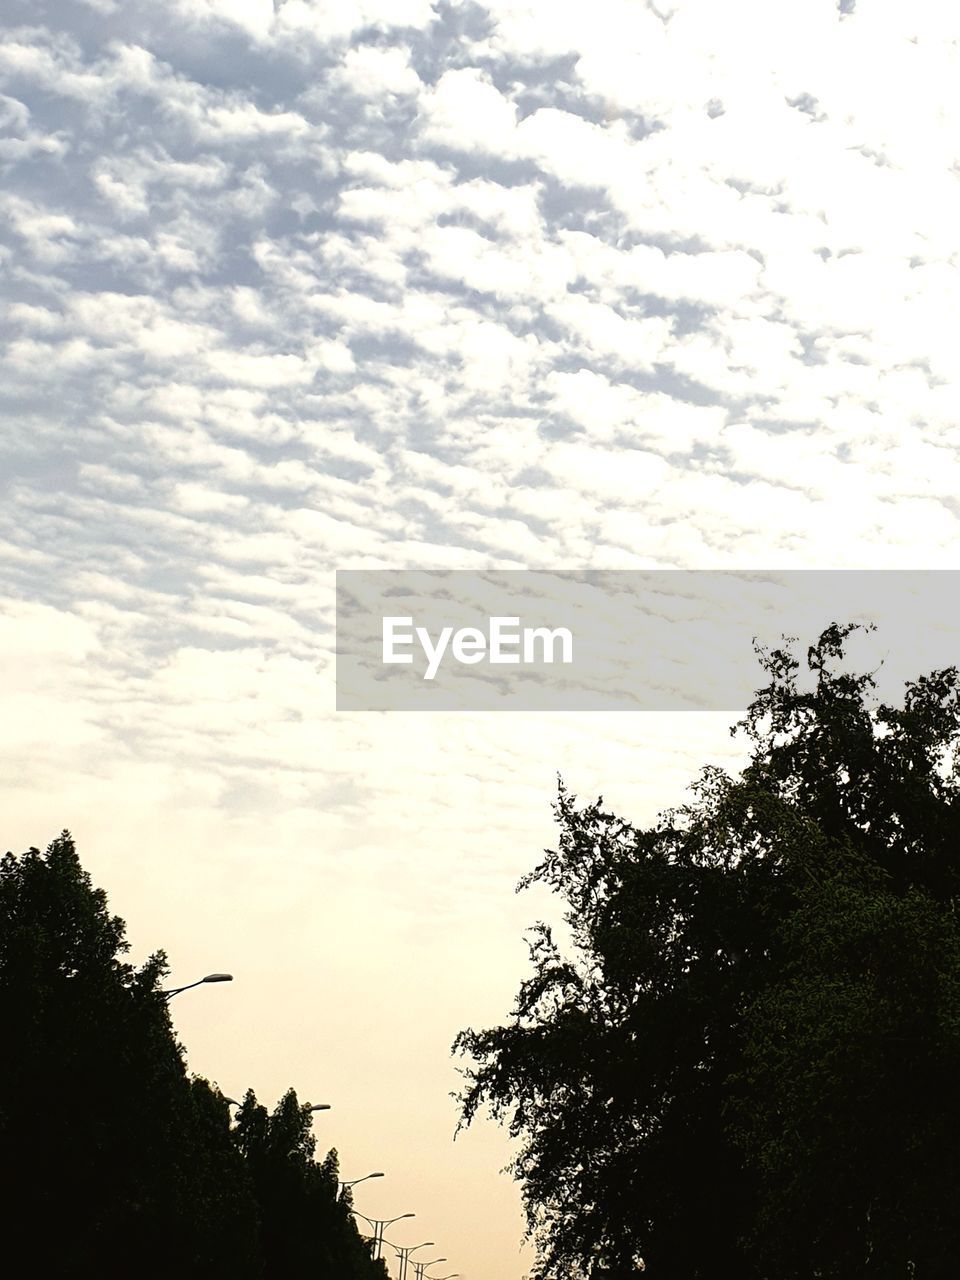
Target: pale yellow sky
(317,284)
(361,946)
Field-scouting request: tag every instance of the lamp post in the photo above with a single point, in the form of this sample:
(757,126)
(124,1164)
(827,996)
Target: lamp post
(420,1267)
(211,977)
(379,1224)
(404,1254)
(353,1182)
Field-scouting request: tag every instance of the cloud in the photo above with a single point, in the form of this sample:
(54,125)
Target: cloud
(267,22)
(465,111)
(374,72)
(298,286)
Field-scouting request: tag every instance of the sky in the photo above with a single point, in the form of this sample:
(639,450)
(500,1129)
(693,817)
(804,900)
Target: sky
(305,285)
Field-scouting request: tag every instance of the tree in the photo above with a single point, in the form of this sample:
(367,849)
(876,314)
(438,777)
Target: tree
(742,1062)
(113,1161)
(100,1129)
(306,1226)
(223,1215)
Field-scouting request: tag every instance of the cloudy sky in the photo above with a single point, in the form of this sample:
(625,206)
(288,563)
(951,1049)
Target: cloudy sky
(302,285)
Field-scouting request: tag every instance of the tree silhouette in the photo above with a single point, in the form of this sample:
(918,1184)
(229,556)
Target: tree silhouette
(113,1162)
(306,1229)
(93,1094)
(743,1063)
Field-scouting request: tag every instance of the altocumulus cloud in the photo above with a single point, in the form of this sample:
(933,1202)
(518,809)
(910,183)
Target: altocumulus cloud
(297,285)
(303,285)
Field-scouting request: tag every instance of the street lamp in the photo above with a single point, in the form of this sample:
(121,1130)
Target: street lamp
(404,1254)
(379,1224)
(211,977)
(353,1182)
(420,1267)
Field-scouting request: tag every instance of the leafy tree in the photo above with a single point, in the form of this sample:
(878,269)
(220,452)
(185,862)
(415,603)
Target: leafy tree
(113,1162)
(223,1214)
(307,1228)
(742,1062)
(100,1129)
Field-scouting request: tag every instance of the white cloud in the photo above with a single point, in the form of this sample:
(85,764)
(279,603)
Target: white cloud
(623,476)
(372,71)
(637,342)
(256,17)
(609,286)
(465,112)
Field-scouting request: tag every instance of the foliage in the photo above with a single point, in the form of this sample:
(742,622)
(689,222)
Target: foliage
(307,1227)
(741,1063)
(93,1092)
(113,1162)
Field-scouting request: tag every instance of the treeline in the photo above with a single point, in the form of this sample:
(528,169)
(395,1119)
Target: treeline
(114,1161)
